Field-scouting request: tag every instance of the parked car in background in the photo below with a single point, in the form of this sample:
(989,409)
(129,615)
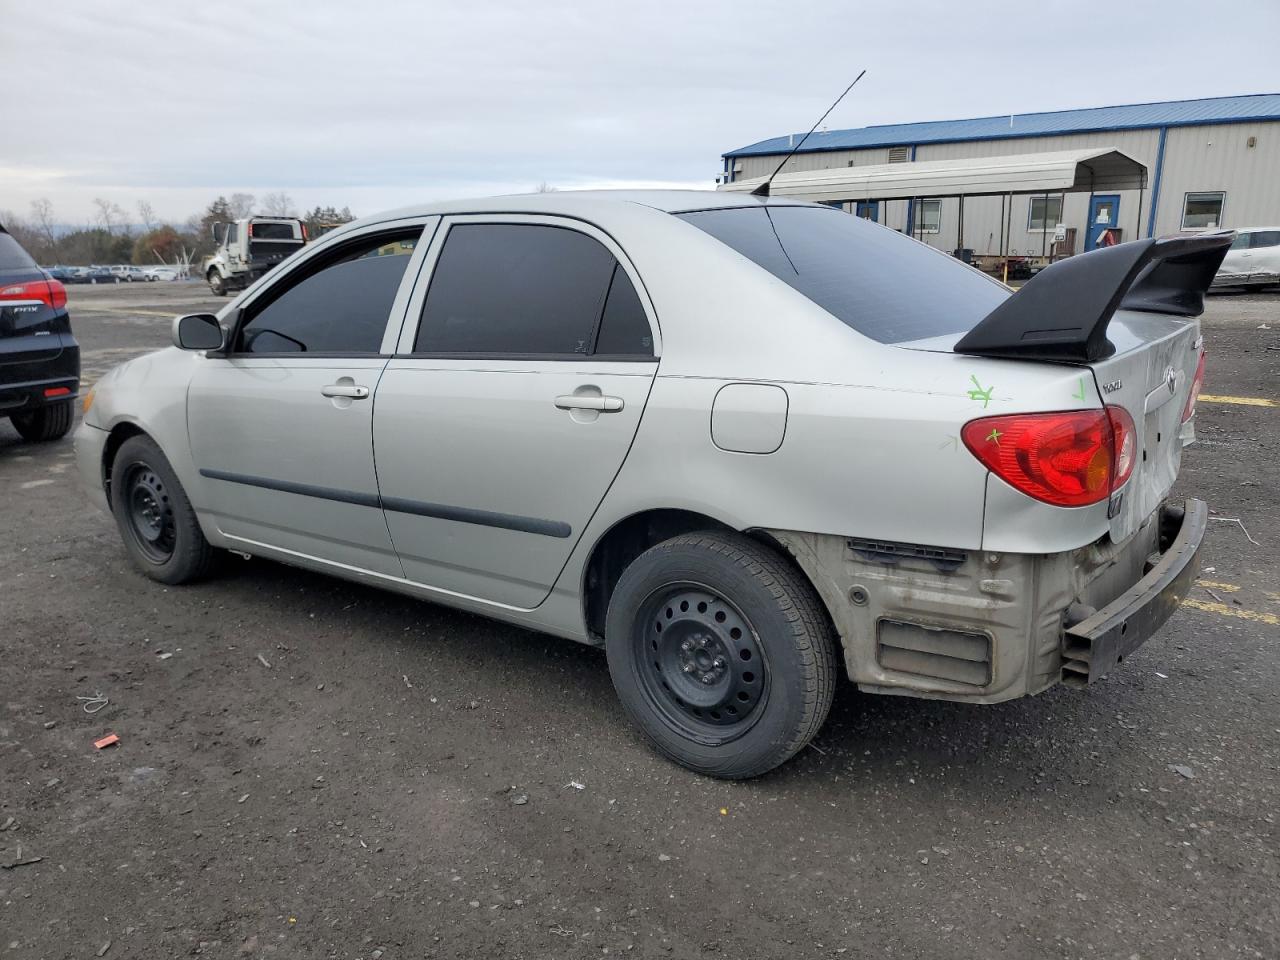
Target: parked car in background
(161,273)
(39,358)
(129,273)
(101,275)
(60,273)
(1253,260)
(728,438)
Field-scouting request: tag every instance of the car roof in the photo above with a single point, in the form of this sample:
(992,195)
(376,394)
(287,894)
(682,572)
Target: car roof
(1253,229)
(587,202)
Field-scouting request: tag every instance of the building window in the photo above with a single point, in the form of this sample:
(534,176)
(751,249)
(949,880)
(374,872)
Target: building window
(928,216)
(1201,211)
(1045,213)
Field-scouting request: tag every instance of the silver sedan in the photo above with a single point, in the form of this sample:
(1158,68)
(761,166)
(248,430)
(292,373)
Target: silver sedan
(741,443)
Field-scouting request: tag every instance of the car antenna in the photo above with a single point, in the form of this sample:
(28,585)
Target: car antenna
(763,189)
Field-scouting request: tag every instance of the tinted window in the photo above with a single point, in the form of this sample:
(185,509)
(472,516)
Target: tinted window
(340,308)
(883,284)
(1265,238)
(1241,242)
(12,256)
(624,328)
(272,231)
(233,232)
(510,288)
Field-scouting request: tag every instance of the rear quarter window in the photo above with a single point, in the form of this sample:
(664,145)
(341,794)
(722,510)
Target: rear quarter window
(12,257)
(881,283)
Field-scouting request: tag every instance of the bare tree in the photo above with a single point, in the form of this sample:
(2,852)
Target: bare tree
(241,205)
(105,217)
(147,214)
(42,213)
(278,204)
(545,187)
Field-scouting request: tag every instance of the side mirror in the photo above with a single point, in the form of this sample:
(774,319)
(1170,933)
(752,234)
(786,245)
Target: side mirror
(219,232)
(197,331)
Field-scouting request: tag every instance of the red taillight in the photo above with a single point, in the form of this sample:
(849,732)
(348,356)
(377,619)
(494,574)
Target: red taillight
(49,292)
(1197,384)
(1069,459)
(249,230)
(305,238)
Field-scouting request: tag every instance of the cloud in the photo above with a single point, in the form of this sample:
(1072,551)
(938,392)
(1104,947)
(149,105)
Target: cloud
(347,103)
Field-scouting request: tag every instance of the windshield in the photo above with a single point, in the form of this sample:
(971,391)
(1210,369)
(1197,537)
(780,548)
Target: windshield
(879,282)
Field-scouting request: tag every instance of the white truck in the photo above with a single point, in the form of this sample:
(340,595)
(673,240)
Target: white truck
(249,248)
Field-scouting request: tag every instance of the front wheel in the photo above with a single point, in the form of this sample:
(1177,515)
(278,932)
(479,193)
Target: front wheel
(217,284)
(50,422)
(721,653)
(156,520)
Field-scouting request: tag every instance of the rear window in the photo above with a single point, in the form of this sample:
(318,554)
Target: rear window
(273,231)
(1266,238)
(12,256)
(879,282)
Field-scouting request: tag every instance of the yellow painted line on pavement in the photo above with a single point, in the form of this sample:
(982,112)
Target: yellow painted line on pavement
(1229,611)
(1243,401)
(148,313)
(1224,587)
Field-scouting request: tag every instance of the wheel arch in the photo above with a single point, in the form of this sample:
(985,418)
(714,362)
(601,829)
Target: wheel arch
(116,437)
(631,536)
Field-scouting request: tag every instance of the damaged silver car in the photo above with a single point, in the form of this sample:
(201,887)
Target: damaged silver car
(747,445)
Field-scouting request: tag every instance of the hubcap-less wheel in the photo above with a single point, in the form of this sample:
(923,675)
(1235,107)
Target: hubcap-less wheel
(701,663)
(150,514)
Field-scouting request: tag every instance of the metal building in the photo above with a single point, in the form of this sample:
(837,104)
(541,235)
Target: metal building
(1208,163)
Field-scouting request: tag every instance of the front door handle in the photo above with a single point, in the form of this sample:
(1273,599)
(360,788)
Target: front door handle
(577,401)
(348,390)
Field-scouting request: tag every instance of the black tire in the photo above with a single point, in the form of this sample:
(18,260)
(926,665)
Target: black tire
(50,422)
(217,284)
(721,652)
(160,531)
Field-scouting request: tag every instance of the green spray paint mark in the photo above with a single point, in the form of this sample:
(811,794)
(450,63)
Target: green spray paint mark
(978,393)
(994,436)
(1080,395)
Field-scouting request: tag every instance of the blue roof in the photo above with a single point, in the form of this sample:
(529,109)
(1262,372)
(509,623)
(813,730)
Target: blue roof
(1135,116)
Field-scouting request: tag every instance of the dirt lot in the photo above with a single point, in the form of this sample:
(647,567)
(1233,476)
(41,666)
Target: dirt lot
(358,798)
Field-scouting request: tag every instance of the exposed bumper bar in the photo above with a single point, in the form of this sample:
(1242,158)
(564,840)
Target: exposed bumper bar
(1096,644)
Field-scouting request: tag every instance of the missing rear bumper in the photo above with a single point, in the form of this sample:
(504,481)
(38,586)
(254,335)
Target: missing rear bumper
(1096,644)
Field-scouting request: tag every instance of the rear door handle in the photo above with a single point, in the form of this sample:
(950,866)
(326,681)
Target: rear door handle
(575,401)
(348,390)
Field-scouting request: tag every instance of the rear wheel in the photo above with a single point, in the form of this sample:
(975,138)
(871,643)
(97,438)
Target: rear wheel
(156,520)
(50,422)
(721,653)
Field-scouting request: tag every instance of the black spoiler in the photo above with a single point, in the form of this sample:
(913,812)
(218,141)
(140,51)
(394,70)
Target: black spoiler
(1062,312)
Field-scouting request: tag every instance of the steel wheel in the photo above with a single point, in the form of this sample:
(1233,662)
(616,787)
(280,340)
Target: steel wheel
(150,513)
(700,663)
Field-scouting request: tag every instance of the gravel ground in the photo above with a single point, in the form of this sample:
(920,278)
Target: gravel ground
(408,781)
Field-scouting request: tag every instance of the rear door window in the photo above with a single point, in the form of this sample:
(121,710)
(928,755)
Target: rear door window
(338,304)
(515,289)
(884,285)
(1265,238)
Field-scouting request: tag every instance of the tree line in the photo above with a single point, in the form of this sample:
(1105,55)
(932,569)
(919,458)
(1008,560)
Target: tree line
(113,236)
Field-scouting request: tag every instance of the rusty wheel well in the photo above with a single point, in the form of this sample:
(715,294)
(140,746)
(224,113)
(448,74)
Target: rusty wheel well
(119,434)
(629,538)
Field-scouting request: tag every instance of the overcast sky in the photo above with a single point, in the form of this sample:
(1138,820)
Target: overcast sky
(378,104)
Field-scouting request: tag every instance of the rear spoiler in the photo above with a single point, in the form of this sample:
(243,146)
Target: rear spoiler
(1062,312)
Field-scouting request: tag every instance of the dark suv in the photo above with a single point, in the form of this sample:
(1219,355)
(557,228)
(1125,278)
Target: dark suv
(39,359)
